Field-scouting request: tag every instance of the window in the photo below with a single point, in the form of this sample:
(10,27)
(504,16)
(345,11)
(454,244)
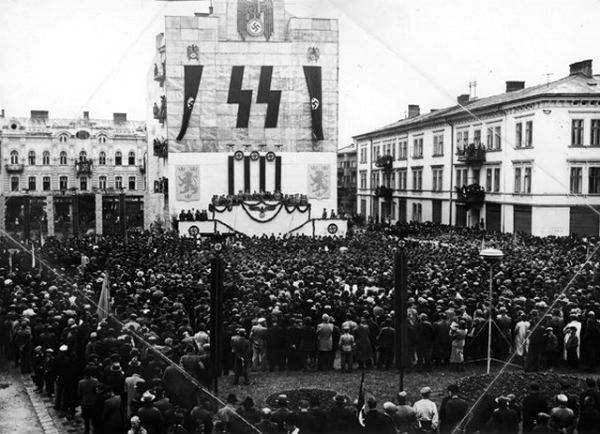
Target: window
(476,173)
(496,180)
(403,150)
(63,182)
(417,209)
(118,182)
(393,180)
(46,183)
(363,155)
(102,158)
(131,158)
(14,157)
(118,158)
(477,137)
(46,158)
(14,183)
(132,182)
(418,147)
(497,138)
(527,180)
(83,182)
(102,182)
(490,138)
(82,155)
(576,177)
(102,139)
(31,184)
(63,158)
(517,179)
(518,135)
(595,133)
(594,180)
(437,179)
(488,179)
(461,177)
(529,134)
(402,179)
(63,138)
(465,139)
(31,158)
(577,132)
(438,145)
(417,179)
(459,140)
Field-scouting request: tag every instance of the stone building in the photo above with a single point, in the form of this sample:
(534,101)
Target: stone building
(346,179)
(71,176)
(244,99)
(527,160)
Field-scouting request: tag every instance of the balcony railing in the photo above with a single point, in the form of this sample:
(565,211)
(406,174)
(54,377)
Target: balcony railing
(14,168)
(83,167)
(159,72)
(385,162)
(472,154)
(161,148)
(161,185)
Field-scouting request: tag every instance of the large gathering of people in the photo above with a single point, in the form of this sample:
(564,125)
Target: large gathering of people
(296,304)
(262,196)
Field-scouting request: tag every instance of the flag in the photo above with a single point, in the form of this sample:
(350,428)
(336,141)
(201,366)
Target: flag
(313,82)
(192,74)
(104,301)
(361,400)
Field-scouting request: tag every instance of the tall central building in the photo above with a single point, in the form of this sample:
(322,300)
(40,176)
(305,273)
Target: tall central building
(244,99)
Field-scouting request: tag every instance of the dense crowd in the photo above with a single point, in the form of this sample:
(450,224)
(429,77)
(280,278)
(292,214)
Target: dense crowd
(290,304)
(263,196)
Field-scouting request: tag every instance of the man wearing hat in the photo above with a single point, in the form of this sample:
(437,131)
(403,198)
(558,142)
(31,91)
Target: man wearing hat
(324,342)
(452,410)
(257,337)
(426,411)
(405,418)
(341,416)
(562,418)
(242,353)
(504,418)
(304,420)
(150,417)
(282,416)
(87,393)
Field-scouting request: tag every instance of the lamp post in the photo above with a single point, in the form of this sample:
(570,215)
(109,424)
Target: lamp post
(491,257)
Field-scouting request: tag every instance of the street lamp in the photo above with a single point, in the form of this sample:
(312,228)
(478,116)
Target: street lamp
(491,257)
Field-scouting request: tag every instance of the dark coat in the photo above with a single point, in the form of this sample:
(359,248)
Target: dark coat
(151,419)
(533,404)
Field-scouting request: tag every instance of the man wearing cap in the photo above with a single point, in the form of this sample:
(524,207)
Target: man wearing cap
(242,353)
(426,411)
(324,342)
(562,418)
(375,421)
(504,418)
(87,394)
(405,418)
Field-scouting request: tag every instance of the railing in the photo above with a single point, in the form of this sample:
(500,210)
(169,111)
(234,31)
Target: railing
(84,167)
(161,185)
(385,162)
(161,148)
(472,154)
(159,72)
(14,168)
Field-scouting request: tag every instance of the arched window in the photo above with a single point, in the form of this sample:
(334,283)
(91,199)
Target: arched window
(14,157)
(82,156)
(31,158)
(118,158)
(131,158)
(63,138)
(102,139)
(46,158)
(102,158)
(63,158)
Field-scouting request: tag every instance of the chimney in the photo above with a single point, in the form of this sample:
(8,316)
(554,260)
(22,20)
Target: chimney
(39,115)
(463,99)
(413,110)
(86,116)
(583,67)
(511,86)
(119,117)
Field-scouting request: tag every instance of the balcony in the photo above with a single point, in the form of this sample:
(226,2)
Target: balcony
(472,154)
(83,167)
(472,196)
(142,166)
(159,73)
(385,162)
(14,168)
(384,192)
(161,148)
(160,112)
(161,185)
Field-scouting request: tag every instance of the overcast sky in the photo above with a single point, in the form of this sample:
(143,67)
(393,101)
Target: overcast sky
(67,56)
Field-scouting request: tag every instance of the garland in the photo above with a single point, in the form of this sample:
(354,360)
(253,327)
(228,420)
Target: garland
(247,207)
(258,220)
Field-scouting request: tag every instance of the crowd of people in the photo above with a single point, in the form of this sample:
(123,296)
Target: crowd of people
(289,304)
(263,196)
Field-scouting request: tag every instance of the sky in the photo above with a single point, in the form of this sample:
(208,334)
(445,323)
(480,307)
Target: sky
(67,56)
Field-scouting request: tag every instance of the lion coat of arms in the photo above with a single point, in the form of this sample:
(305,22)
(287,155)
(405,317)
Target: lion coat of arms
(193,52)
(255,18)
(319,181)
(188,183)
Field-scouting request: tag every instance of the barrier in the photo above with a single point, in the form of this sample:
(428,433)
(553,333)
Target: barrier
(309,227)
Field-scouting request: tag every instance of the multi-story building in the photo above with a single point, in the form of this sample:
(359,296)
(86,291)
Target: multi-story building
(346,179)
(71,176)
(534,150)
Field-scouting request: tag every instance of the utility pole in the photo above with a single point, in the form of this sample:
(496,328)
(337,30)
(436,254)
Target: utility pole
(400,324)
(216,319)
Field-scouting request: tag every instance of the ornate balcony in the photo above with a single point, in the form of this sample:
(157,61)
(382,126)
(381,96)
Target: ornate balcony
(161,185)
(472,196)
(160,113)
(472,154)
(161,148)
(14,168)
(385,162)
(83,167)
(384,192)
(159,73)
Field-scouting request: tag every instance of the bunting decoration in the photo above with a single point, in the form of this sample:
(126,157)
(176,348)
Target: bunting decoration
(192,74)
(313,81)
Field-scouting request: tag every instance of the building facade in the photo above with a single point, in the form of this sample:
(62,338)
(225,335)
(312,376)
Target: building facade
(527,160)
(245,100)
(67,177)
(346,179)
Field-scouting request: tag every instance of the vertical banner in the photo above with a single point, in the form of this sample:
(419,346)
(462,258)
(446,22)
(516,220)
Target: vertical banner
(262,174)
(313,81)
(247,174)
(278,174)
(230,176)
(192,74)
(400,289)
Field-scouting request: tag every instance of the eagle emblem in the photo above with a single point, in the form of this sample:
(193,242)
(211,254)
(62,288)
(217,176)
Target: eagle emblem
(255,18)
(313,54)
(193,52)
